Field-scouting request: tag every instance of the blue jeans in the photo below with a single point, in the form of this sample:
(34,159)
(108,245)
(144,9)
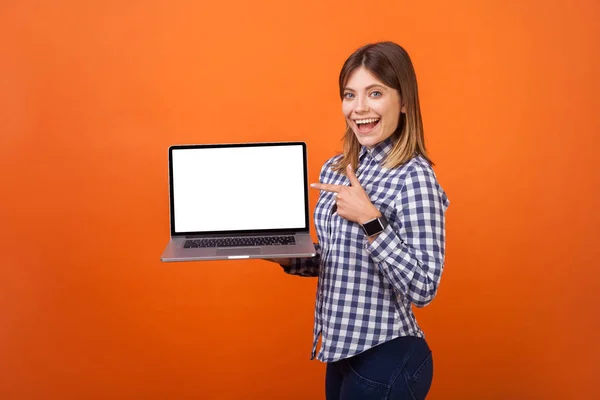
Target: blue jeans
(401,369)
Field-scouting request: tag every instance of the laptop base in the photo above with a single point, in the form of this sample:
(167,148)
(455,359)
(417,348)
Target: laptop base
(175,251)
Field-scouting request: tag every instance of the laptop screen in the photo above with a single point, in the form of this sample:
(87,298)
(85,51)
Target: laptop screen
(238,188)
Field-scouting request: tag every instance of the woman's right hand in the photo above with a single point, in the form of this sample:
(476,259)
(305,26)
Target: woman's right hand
(286,262)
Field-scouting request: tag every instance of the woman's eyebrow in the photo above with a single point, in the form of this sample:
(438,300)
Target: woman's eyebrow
(375,85)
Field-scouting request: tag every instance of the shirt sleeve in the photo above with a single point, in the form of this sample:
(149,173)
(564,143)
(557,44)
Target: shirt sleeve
(305,266)
(411,253)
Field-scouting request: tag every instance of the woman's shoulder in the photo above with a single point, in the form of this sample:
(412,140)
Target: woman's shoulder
(417,171)
(419,175)
(417,165)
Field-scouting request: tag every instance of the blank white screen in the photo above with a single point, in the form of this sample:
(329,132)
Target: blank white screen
(238,188)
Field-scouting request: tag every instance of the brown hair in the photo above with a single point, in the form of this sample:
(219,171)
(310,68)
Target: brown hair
(392,65)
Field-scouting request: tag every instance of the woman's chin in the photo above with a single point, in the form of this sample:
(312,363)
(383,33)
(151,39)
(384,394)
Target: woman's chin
(366,140)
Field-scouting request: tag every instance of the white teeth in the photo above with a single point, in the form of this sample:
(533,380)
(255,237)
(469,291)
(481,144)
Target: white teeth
(366,121)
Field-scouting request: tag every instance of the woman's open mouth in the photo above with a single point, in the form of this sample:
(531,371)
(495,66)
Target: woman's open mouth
(366,125)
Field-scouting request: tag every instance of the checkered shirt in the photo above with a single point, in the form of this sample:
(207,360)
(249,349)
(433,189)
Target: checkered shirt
(365,290)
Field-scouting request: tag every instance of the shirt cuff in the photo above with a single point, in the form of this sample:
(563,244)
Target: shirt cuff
(295,265)
(384,244)
(391,257)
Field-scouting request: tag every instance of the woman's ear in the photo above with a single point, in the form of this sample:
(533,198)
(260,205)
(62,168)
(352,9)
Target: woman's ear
(403,109)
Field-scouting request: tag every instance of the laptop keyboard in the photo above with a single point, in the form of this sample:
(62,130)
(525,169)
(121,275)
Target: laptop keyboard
(241,241)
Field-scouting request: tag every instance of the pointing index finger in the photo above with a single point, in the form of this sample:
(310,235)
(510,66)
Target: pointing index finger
(352,176)
(326,187)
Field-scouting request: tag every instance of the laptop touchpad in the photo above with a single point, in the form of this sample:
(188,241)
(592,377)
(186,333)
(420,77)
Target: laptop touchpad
(239,252)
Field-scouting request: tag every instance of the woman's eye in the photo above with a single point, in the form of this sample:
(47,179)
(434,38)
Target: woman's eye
(348,95)
(376,93)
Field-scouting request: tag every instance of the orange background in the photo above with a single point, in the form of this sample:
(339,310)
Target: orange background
(93,93)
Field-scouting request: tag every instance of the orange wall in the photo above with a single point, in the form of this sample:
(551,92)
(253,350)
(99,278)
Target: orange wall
(92,94)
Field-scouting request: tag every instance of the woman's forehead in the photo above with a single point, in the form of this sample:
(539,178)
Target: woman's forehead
(362,78)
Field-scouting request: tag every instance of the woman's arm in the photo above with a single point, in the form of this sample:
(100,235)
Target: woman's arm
(411,255)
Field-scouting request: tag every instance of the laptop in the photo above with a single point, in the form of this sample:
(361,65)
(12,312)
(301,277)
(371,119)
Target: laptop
(238,201)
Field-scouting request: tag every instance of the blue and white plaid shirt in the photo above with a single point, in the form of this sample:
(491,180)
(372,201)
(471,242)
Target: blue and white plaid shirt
(365,290)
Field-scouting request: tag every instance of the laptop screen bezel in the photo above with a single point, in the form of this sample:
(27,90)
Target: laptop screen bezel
(238,232)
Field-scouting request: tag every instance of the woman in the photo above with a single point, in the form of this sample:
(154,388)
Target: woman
(380,221)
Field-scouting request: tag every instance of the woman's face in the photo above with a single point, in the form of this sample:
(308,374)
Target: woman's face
(371,108)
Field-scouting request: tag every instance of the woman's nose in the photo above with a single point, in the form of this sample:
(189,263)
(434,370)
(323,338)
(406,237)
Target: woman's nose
(361,104)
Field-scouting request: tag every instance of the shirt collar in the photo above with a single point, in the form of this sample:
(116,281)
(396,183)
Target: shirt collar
(379,151)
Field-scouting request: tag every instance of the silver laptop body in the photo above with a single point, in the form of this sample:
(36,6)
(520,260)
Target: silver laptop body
(237,201)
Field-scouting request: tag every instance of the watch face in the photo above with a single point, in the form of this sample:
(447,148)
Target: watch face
(373,227)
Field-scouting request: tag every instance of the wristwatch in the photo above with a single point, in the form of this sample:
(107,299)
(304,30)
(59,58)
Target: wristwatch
(375,226)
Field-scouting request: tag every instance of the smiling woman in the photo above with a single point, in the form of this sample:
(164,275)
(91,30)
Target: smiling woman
(380,220)
(372,109)
(380,99)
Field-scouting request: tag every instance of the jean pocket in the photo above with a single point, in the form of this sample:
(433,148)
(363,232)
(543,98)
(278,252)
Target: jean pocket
(359,387)
(419,381)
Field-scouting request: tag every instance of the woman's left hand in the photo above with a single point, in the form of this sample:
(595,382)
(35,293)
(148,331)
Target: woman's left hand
(352,201)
